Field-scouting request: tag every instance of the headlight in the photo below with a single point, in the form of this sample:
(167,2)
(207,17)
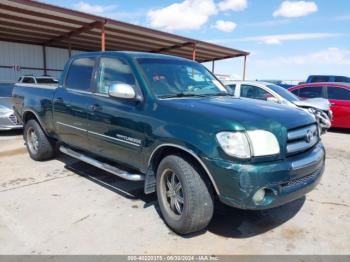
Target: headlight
(263,143)
(247,144)
(4,110)
(234,144)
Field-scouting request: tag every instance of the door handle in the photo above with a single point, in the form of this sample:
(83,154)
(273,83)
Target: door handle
(59,100)
(95,107)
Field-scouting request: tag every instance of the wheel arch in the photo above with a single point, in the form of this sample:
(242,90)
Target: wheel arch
(164,150)
(29,114)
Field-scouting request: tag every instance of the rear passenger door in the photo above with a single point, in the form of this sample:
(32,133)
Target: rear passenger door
(340,100)
(70,103)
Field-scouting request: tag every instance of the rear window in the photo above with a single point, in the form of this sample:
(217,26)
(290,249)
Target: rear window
(311,91)
(338,93)
(46,81)
(80,74)
(29,80)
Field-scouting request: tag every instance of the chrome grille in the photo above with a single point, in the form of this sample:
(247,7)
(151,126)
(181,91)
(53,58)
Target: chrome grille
(13,120)
(302,139)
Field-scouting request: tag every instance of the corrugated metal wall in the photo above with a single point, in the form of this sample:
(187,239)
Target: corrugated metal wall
(26,55)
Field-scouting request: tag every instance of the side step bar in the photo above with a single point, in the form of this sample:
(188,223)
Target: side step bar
(101,165)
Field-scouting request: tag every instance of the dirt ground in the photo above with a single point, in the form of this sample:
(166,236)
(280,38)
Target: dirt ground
(64,206)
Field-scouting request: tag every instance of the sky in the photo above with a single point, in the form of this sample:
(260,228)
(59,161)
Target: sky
(287,40)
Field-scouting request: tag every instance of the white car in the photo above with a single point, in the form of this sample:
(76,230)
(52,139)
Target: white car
(319,107)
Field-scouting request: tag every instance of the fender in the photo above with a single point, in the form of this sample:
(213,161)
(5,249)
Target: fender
(150,179)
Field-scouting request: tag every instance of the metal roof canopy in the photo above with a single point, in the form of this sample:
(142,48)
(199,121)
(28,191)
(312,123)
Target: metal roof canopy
(39,23)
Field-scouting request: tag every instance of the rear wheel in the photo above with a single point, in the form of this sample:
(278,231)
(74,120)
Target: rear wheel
(38,144)
(185,200)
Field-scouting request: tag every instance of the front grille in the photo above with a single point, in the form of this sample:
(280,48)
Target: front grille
(302,139)
(13,120)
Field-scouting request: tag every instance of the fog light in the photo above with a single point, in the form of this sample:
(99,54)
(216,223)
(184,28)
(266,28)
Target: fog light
(259,196)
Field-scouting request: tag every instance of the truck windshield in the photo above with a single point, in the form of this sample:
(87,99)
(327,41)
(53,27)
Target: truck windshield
(6,90)
(283,93)
(179,78)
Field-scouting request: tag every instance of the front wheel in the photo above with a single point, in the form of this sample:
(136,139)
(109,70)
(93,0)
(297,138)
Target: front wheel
(185,200)
(38,144)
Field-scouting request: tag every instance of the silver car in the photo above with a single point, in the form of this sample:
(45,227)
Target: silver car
(8,120)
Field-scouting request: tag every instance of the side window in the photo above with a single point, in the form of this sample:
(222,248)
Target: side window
(254,92)
(316,79)
(341,79)
(231,88)
(80,73)
(113,71)
(311,91)
(29,80)
(338,93)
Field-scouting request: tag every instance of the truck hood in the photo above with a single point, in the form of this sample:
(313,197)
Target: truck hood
(246,113)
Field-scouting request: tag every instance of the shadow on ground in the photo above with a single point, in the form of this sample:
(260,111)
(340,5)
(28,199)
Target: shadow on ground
(339,130)
(9,133)
(236,223)
(227,222)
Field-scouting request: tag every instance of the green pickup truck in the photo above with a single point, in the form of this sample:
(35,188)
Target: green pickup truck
(169,122)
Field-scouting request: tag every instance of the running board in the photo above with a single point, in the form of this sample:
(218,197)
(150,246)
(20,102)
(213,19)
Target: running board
(101,165)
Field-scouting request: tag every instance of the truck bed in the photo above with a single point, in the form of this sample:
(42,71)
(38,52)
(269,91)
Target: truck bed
(37,100)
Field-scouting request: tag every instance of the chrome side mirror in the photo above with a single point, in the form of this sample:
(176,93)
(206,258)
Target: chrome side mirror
(123,91)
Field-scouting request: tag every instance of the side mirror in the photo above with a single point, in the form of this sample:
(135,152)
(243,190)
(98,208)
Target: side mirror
(123,91)
(272,99)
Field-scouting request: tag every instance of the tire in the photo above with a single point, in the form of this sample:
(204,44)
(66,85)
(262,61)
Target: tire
(38,144)
(196,209)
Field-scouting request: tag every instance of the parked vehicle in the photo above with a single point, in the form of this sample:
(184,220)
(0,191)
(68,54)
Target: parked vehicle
(8,120)
(338,95)
(327,78)
(277,82)
(318,107)
(39,80)
(169,122)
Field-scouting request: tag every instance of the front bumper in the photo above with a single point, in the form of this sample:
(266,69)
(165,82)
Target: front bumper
(283,180)
(9,122)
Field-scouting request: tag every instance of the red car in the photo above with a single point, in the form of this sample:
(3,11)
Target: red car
(338,95)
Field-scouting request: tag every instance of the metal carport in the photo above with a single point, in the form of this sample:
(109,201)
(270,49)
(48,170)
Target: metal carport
(32,22)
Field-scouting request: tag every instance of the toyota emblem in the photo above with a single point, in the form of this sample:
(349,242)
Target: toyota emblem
(309,136)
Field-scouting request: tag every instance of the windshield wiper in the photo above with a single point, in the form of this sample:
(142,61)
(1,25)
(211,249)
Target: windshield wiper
(222,94)
(182,95)
(194,95)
